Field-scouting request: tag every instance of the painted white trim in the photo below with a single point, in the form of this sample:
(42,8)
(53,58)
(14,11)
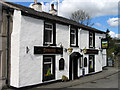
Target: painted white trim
(15,49)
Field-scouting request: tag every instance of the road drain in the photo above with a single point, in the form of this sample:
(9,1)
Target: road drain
(93,82)
(106,78)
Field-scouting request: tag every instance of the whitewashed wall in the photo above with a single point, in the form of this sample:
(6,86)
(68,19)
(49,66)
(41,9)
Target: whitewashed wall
(30,65)
(102,54)
(15,49)
(98,58)
(84,39)
(26,68)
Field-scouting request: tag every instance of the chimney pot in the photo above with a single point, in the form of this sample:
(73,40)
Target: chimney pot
(35,1)
(52,6)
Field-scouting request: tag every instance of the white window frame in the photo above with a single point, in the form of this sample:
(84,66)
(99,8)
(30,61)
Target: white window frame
(74,35)
(92,39)
(51,29)
(49,63)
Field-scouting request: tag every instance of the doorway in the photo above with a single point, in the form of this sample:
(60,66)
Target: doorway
(73,65)
(91,63)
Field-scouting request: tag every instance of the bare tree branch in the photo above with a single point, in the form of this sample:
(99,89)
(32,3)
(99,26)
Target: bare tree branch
(81,17)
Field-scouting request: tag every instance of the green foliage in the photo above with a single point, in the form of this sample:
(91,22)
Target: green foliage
(48,72)
(64,78)
(113,46)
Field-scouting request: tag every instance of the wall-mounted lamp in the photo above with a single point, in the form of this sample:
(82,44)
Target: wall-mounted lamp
(27,49)
(84,50)
(70,49)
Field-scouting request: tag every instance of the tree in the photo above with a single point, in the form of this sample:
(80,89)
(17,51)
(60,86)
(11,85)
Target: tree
(113,46)
(81,17)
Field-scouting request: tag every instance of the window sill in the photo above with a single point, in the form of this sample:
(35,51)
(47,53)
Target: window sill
(74,46)
(92,47)
(50,44)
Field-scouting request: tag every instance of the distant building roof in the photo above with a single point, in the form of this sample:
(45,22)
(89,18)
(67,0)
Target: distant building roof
(42,15)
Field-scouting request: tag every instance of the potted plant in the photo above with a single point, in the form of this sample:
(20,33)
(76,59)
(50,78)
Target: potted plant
(64,78)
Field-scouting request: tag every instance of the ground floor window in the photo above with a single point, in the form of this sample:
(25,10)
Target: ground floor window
(61,64)
(91,63)
(48,67)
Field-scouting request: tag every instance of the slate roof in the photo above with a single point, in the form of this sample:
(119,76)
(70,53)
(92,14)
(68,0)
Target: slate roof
(31,12)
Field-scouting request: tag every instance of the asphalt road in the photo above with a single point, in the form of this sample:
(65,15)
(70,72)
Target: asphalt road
(107,82)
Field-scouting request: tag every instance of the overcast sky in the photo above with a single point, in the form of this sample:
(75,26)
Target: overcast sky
(104,13)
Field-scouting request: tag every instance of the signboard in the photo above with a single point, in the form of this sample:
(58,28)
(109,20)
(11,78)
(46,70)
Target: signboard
(91,51)
(104,43)
(47,50)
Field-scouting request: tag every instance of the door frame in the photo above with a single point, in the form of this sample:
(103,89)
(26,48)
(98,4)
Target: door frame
(73,68)
(93,70)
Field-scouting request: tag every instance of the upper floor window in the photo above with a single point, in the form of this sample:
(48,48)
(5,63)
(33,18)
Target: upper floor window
(91,39)
(49,33)
(73,37)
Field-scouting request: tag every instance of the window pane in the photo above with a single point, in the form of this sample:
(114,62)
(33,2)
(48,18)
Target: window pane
(47,60)
(48,26)
(91,41)
(48,36)
(91,34)
(61,64)
(72,38)
(91,58)
(47,69)
(72,31)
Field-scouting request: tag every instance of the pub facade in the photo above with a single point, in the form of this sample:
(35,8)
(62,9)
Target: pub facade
(44,47)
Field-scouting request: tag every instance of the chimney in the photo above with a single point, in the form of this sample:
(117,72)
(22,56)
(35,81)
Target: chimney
(53,11)
(52,6)
(36,6)
(35,1)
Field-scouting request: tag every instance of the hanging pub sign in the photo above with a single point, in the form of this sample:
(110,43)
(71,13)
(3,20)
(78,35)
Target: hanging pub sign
(47,50)
(104,43)
(91,51)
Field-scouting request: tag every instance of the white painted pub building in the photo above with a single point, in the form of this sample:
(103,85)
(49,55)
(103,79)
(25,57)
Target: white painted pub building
(44,47)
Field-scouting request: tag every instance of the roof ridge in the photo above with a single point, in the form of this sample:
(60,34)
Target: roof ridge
(9,5)
(31,11)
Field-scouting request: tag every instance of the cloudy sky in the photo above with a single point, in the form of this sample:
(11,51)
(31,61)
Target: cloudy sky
(104,13)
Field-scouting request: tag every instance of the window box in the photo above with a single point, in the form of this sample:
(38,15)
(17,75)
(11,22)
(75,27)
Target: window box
(49,77)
